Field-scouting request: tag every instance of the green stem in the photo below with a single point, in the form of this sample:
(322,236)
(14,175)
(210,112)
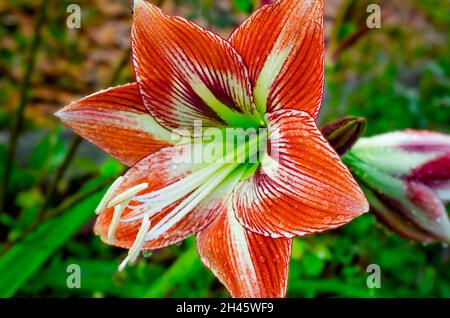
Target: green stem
(24,97)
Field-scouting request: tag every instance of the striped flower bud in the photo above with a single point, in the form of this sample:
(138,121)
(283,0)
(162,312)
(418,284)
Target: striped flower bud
(406,178)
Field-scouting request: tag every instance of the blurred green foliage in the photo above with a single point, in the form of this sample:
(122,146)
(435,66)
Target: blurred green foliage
(397,77)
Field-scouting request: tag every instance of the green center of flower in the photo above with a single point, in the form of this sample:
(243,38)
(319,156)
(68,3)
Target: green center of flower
(232,117)
(226,156)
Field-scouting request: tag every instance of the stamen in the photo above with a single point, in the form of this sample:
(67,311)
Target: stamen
(104,201)
(191,179)
(123,264)
(118,209)
(189,204)
(137,245)
(170,194)
(127,194)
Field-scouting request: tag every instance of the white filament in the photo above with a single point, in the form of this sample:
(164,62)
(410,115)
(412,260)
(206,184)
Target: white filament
(105,200)
(189,204)
(129,193)
(138,243)
(118,209)
(192,179)
(171,193)
(199,184)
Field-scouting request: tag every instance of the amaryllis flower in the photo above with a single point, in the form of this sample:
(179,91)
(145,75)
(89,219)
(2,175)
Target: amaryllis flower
(269,73)
(407,181)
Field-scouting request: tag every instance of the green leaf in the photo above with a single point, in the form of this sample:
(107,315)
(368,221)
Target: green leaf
(333,286)
(97,277)
(48,153)
(111,167)
(40,154)
(313,265)
(30,198)
(23,259)
(244,6)
(186,268)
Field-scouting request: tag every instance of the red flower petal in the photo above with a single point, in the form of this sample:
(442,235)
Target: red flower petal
(159,170)
(187,73)
(116,121)
(248,264)
(307,189)
(282,45)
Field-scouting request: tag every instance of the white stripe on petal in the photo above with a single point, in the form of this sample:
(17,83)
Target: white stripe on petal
(269,73)
(239,245)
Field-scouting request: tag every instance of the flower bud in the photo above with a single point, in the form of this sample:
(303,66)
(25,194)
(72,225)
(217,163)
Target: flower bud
(406,178)
(389,214)
(343,133)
